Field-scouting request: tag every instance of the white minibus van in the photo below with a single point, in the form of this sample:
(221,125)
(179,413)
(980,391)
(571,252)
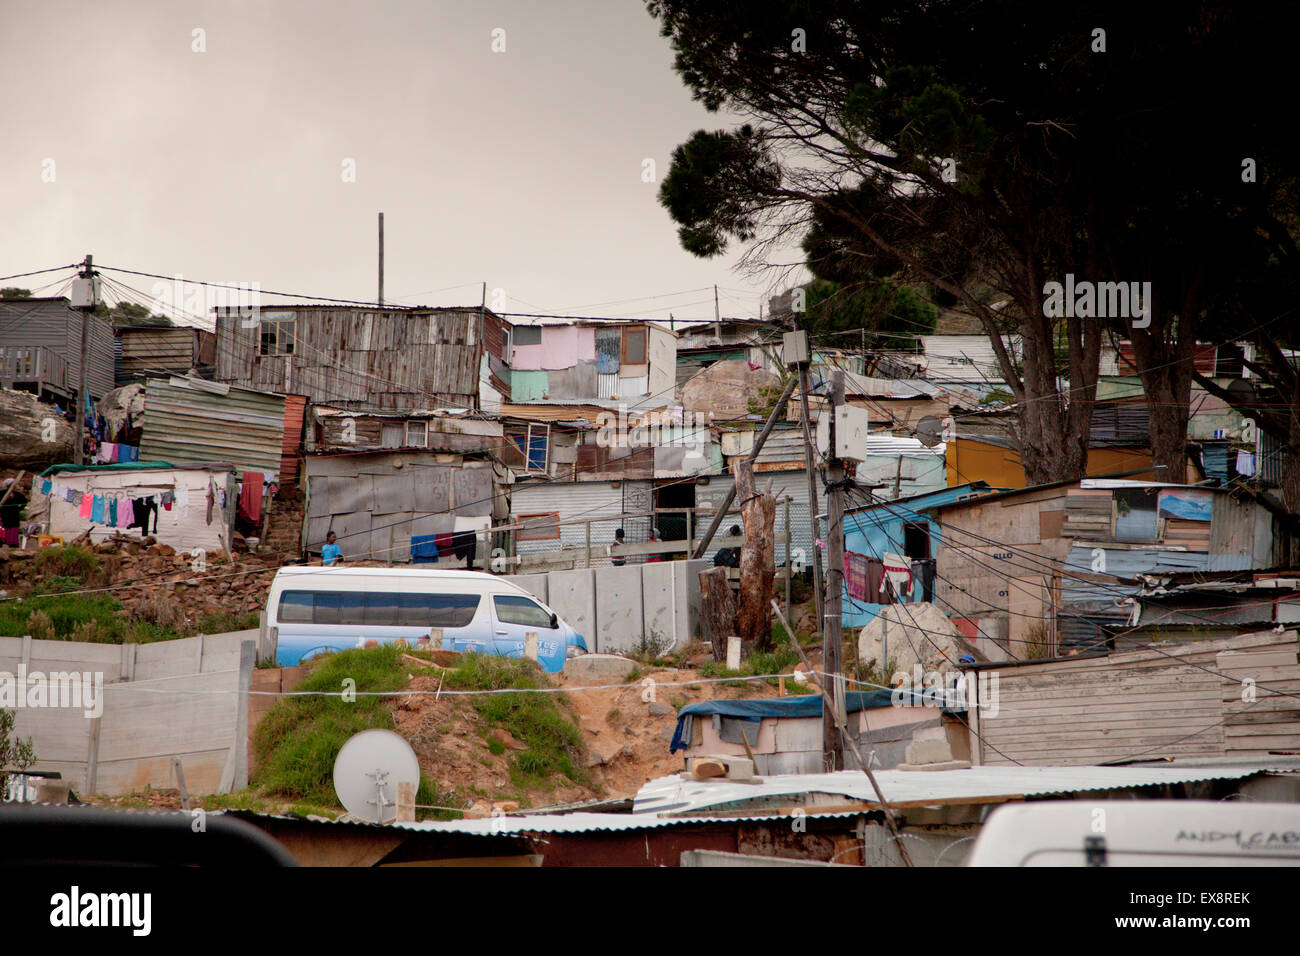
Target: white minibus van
(314,609)
(1140,833)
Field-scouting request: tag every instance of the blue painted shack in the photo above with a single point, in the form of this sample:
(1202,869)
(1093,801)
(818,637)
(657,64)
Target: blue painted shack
(902,526)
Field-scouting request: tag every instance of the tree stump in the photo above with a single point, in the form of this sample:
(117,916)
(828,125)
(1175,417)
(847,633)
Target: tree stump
(757,560)
(718,609)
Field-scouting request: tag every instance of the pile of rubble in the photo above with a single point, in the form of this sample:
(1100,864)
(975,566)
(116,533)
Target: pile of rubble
(144,575)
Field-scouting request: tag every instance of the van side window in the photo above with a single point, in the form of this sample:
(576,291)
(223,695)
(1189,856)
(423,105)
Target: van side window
(361,609)
(295,607)
(517,609)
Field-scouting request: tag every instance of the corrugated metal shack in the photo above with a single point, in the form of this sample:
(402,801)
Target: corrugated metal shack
(190,421)
(571,359)
(153,349)
(40,349)
(1009,562)
(892,403)
(905,526)
(376,501)
(341,430)
(354,357)
(1185,606)
(190,522)
(1232,698)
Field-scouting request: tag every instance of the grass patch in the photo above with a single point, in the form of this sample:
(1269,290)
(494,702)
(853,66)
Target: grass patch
(780,660)
(65,612)
(299,738)
(538,720)
(57,584)
(223,621)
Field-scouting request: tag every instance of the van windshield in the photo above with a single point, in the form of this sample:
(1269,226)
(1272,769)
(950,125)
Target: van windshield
(384,609)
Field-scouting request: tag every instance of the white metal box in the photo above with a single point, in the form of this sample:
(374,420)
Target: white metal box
(851,427)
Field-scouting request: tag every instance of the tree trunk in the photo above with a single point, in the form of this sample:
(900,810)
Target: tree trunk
(718,609)
(757,560)
(1166,356)
(1290,484)
(1054,425)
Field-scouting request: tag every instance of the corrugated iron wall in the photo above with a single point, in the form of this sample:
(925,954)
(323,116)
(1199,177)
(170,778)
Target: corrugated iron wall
(191,426)
(154,350)
(295,408)
(362,358)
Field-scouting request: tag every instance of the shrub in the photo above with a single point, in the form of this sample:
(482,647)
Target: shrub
(15,753)
(67,562)
(40,627)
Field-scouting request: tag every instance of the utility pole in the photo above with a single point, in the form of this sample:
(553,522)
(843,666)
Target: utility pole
(811,467)
(79,442)
(381,258)
(833,716)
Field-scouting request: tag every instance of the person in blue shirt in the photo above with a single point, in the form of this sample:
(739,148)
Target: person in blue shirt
(330,552)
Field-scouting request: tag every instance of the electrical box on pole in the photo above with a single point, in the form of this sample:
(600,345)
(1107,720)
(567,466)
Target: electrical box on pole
(85,292)
(794,348)
(851,427)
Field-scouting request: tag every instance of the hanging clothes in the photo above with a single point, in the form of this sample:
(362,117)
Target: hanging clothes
(168,499)
(112,513)
(97,510)
(140,514)
(923,571)
(875,575)
(182,496)
(898,572)
(126,514)
(87,506)
(46,486)
(250,496)
(855,575)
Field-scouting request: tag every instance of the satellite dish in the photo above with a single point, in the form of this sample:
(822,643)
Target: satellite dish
(367,771)
(929,430)
(1243,392)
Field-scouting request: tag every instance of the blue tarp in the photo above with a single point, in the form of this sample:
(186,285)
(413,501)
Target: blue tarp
(789,707)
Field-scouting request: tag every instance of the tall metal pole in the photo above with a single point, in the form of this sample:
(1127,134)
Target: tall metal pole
(381,258)
(79,442)
(833,716)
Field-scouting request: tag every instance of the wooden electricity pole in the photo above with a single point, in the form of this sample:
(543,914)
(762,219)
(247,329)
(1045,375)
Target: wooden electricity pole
(381,258)
(811,467)
(79,442)
(833,715)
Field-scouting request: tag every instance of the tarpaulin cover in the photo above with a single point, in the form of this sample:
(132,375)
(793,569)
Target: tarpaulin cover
(788,707)
(121,466)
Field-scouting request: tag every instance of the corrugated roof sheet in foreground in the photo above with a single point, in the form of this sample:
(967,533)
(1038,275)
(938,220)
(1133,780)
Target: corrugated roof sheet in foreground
(676,795)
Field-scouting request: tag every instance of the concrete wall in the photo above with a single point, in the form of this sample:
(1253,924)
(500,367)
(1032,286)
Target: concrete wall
(620,621)
(573,597)
(170,699)
(621,609)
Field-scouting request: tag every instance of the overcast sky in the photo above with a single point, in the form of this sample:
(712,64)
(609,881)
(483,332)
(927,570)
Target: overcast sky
(522,168)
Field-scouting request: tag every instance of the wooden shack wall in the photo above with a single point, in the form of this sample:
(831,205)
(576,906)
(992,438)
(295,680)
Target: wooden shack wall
(1190,700)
